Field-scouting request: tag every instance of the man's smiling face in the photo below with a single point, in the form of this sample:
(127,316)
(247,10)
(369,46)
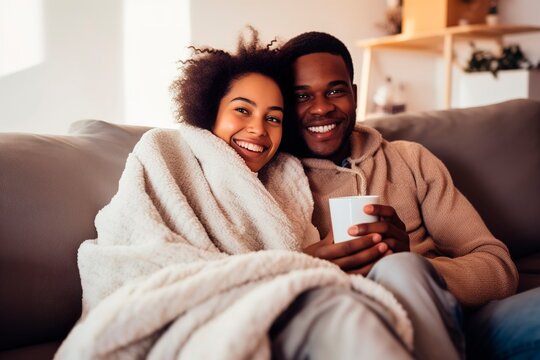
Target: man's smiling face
(325,104)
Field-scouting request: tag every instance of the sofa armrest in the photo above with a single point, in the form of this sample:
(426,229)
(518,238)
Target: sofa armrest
(51,188)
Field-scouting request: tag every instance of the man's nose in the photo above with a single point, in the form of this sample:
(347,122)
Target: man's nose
(321,106)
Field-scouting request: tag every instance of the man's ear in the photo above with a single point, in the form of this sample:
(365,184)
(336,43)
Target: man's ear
(355,94)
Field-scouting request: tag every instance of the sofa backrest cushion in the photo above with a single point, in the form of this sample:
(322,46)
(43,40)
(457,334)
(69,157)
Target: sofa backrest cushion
(51,188)
(493,154)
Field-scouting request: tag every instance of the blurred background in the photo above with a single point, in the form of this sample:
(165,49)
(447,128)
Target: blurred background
(113,60)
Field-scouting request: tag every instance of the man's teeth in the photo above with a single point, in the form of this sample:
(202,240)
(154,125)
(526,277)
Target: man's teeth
(321,129)
(250,146)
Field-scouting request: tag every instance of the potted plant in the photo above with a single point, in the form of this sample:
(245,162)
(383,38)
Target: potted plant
(489,78)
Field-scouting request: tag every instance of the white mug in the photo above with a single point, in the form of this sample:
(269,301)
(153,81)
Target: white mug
(347,211)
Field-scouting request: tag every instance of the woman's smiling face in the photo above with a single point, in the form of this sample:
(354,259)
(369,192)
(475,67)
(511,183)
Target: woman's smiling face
(250,117)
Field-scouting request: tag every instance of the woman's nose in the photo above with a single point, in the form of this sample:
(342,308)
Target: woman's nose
(257,126)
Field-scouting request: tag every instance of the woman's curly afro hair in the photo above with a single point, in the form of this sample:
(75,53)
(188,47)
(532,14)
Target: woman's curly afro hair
(208,75)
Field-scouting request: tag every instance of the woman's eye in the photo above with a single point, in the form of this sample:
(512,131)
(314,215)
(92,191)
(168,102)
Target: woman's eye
(273,119)
(242,110)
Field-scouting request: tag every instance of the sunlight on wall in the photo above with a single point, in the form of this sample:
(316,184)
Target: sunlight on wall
(156,35)
(21,35)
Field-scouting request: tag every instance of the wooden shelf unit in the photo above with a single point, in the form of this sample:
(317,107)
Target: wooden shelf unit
(438,41)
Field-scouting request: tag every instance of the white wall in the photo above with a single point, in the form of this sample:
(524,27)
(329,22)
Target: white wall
(102,59)
(155,36)
(79,74)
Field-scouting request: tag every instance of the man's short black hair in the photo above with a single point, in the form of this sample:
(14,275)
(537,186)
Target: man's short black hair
(316,42)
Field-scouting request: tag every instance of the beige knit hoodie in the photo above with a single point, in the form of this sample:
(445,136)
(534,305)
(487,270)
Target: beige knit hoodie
(442,225)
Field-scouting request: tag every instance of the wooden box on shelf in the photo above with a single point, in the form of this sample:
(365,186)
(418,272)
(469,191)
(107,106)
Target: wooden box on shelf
(418,16)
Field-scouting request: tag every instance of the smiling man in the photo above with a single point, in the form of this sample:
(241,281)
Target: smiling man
(324,124)
(430,247)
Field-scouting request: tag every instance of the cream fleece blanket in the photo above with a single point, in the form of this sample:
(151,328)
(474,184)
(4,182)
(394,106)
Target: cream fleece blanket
(196,255)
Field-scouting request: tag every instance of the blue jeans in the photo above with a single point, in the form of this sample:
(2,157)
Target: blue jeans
(506,329)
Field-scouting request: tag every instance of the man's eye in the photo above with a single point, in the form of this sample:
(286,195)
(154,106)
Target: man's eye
(336,92)
(242,110)
(301,97)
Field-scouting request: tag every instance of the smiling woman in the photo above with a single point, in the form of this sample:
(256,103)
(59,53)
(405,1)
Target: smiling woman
(249,119)
(238,97)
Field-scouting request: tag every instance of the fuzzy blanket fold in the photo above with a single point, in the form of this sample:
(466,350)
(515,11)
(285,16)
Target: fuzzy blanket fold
(184,259)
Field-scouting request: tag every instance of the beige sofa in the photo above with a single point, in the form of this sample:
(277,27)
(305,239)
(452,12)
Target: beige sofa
(51,188)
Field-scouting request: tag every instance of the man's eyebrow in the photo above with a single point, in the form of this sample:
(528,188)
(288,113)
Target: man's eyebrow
(330,84)
(240,98)
(338,82)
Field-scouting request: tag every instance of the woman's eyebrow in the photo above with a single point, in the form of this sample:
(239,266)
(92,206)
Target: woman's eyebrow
(277,108)
(240,98)
(245,100)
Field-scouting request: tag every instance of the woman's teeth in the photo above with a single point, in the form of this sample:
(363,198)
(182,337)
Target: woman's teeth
(321,129)
(250,146)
